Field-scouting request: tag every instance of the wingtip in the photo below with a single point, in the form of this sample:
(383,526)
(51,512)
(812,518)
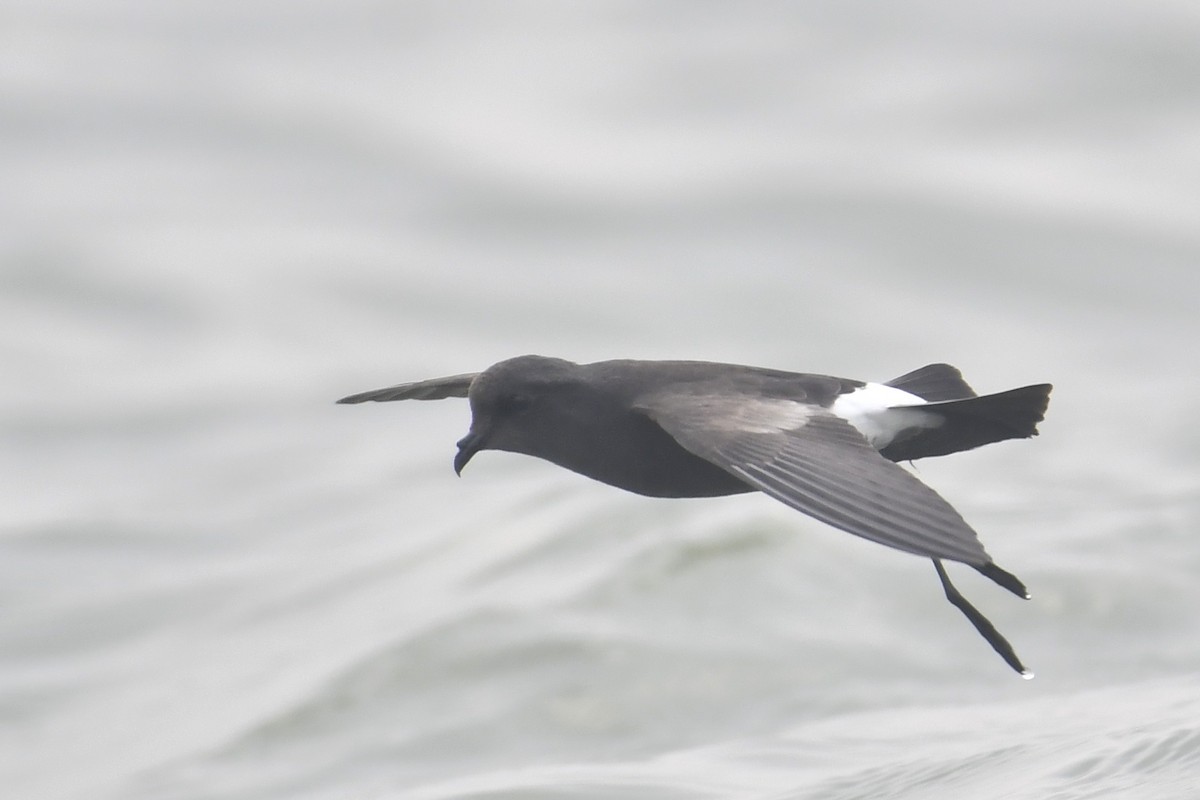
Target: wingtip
(361,397)
(1003,578)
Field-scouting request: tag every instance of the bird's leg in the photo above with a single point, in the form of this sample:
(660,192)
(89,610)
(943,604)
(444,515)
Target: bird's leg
(981,623)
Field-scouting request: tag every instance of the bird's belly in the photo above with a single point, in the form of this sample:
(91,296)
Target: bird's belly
(649,462)
(692,478)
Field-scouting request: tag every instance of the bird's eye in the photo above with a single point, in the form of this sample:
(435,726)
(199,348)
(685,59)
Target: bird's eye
(514,403)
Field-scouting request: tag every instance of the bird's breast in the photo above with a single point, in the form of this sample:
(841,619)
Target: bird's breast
(635,454)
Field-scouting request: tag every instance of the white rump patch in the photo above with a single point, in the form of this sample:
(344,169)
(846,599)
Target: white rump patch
(879,412)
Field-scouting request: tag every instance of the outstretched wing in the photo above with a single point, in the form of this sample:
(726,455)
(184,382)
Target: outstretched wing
(815,462)
(934,382)
(434,389)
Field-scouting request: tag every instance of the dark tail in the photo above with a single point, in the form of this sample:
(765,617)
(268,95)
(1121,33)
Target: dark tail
(975,421)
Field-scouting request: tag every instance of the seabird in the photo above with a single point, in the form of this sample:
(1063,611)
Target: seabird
(825,446)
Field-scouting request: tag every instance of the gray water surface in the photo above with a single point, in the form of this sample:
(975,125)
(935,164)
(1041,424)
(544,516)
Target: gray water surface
(217,219)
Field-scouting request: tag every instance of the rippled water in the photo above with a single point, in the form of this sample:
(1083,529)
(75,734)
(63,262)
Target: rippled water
(214,583)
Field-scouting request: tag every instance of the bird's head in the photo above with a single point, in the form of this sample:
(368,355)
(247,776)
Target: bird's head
(512,403)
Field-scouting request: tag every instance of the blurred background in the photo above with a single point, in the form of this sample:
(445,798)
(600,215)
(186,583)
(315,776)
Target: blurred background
(216,219)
